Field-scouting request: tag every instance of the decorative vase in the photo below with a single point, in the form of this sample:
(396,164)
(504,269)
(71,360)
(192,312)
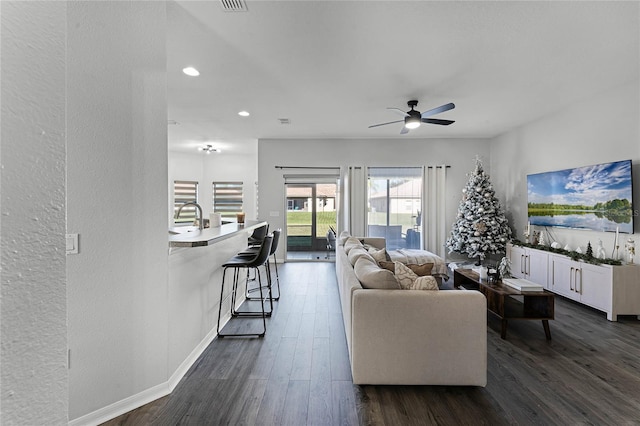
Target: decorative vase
(631,249)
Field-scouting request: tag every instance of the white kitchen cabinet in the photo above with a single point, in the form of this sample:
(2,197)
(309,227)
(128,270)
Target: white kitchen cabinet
(612,289)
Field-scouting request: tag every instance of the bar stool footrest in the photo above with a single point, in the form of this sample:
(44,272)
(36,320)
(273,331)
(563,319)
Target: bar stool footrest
(258,335)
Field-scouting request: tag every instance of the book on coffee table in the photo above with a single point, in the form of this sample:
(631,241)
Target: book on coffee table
(521,284)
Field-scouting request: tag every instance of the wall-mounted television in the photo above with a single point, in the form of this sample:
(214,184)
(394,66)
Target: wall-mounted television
(597,197)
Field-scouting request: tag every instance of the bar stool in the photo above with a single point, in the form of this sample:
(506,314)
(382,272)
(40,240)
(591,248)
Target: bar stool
(255,239)
(238,263)
(258,234)
(274,247)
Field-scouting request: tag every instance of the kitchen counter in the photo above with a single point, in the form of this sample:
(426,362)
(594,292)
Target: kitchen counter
(191,236)
(195,287)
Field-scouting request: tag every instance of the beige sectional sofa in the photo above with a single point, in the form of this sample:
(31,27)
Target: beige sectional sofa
(411,337)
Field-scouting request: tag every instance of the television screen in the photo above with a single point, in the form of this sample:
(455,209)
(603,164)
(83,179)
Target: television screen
(595,197)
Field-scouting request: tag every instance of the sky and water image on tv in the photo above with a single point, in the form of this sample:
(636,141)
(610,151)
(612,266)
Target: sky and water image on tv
(597,197)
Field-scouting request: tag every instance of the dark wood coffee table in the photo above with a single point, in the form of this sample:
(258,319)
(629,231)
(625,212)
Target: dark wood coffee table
(508,303)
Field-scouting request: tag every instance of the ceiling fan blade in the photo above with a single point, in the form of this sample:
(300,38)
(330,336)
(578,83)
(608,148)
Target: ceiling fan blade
(404,130)
(437,121)
(399,111)
(384,124)
(441,108)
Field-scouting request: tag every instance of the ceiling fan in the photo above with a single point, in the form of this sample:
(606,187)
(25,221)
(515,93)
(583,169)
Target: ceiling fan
(413,118)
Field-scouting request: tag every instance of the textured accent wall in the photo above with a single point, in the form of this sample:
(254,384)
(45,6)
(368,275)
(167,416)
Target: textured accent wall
(33,311)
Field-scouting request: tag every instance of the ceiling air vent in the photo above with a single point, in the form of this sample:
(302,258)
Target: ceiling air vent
(233,5)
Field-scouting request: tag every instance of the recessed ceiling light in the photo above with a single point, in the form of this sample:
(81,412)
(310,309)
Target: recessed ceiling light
(191,71)
(243,113)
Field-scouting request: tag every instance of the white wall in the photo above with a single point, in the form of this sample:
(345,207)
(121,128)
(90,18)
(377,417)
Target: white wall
(117,201)
(458,153)
(207,168)
(33,313)
(601,129)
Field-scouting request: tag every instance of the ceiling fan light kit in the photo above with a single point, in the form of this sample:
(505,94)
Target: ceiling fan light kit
(412,122)
(413,118)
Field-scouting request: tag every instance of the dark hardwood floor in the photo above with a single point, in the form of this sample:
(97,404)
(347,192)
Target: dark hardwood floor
(299,373)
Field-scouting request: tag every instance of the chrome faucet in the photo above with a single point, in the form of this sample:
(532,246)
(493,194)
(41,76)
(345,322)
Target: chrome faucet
(190,203)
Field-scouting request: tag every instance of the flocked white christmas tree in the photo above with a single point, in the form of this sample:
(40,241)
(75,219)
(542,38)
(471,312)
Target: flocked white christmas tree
(481,227)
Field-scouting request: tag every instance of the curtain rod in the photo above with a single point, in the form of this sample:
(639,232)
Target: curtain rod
(405,167)
(355,167)
(303,167)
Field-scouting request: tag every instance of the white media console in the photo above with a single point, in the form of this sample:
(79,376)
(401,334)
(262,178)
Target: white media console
(612,289)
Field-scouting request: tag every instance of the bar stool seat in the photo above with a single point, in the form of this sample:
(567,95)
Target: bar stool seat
(237,263)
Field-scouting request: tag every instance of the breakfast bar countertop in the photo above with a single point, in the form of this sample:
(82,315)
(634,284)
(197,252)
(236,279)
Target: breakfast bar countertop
(191,236)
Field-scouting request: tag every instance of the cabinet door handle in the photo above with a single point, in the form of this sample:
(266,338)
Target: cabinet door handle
(527,267)
(553,273)
(522,263)
(579,273)
(571,279)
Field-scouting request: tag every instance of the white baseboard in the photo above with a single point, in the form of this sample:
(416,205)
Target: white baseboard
(138,400)
(118,408)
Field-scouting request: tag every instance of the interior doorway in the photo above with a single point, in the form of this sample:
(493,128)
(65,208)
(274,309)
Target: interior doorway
(311,217)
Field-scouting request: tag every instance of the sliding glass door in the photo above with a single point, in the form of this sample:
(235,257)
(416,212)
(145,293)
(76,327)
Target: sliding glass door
(394,205)
(311,214)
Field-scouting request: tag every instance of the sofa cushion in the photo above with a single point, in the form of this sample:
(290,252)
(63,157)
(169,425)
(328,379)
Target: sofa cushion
(371,275)
(420,270)
(356,253)
(351,243)
(344,235)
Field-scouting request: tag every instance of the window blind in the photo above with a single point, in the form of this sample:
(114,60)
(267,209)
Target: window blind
(185,191)
(227,198)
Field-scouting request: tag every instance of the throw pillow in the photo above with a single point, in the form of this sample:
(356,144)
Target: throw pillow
(351,243)
(409,280)
(372,276)
(422,269)
(389,266)
(356,253)
(427,282)
(404,275)
(379,255)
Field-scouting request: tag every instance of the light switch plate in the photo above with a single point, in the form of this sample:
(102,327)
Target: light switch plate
(274,214)
(72,243)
